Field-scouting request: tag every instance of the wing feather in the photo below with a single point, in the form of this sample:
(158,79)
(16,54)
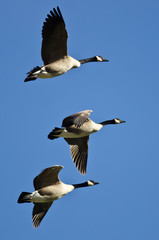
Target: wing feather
(54,37)
(76,119)
(39,211)
(79,152)
(47,177)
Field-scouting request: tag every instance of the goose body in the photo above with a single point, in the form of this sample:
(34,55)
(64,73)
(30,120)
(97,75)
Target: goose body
(76,130)
(51,193)
(79,125)
(86,129)
(48,188)
(54,50)
(57,68)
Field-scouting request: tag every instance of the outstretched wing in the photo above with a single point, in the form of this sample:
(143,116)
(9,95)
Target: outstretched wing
(79,152)
(47,177)
(39,211)
(54,34)
(76,119)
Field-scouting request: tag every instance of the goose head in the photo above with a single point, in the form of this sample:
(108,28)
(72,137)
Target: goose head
(117,121)
(92,183)
(100,59)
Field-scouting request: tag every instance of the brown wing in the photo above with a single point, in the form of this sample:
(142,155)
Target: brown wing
(76,119)
(39,211)
(79,152)
(54,34)
(47,177)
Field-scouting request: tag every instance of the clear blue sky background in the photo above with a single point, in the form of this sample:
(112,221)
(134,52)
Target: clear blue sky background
(123,158)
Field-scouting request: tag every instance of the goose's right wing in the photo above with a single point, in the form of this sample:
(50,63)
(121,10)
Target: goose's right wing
(39,211)
(79,152)
(54,34)
(47,177)
(76,119)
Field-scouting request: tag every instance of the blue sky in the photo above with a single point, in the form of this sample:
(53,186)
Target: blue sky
(123,158)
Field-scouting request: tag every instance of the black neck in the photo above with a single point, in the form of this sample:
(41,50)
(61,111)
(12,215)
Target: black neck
(85,184)
(108,122)
(92,59)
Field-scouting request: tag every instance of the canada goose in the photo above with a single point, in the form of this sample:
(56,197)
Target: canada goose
(76,130)
(54,50)
(48,188)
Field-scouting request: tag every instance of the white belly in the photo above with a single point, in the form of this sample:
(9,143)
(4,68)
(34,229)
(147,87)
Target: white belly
(66,134)
(51,193)
(45,74)
(58,67)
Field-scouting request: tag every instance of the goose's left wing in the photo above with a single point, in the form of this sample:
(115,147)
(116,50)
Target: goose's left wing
(54,35)
(47,177)
(76,119)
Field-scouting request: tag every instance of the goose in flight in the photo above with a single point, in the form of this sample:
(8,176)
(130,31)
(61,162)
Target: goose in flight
(76,130)
(48,188)
(54,50)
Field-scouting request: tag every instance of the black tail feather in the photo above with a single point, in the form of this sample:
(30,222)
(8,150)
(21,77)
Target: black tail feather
(55,132)
(31,76)
(51,137)
(24,197)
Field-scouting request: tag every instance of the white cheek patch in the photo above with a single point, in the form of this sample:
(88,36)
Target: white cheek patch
(90,183)
(99,59)
(117,121)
